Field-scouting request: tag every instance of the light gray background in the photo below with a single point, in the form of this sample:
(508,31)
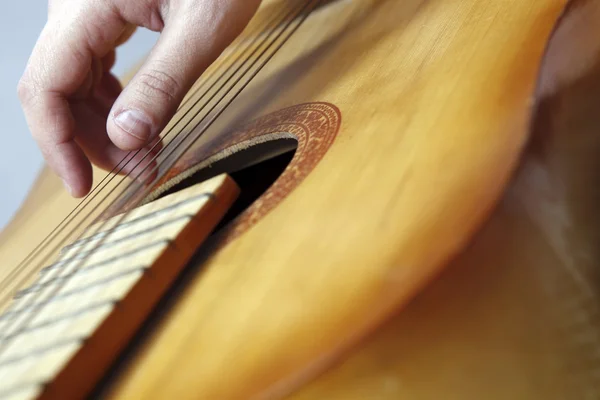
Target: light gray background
(20,160)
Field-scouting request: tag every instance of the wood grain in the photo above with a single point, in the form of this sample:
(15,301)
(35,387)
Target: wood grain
(437,100)
(517,314)
(99,292)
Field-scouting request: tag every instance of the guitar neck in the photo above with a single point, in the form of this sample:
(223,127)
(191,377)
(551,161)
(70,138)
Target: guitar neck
(82,309)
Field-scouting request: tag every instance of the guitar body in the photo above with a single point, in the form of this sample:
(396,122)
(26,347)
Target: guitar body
(432,237)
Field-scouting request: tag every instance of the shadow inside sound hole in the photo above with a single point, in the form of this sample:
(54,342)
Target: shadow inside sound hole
(253,182)
(254,169)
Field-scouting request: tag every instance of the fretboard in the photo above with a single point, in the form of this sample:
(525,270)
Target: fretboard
(62,332)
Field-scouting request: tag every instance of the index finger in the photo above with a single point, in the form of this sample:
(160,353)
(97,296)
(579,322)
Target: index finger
(58,66)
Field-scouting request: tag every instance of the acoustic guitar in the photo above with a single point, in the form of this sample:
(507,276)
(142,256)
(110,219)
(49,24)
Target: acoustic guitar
(373,199)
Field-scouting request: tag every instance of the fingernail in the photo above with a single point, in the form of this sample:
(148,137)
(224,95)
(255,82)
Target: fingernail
(136,123)
(68,187)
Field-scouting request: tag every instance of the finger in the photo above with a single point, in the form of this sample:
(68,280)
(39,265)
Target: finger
(108,91)
(58,67)
(109,88)
(91,137)
(108,61)
(193,36)
(128,32)
(55,127)
(91,81)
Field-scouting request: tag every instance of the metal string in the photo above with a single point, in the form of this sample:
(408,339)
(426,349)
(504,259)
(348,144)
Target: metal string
(273,23)
(170,164)
(166,147)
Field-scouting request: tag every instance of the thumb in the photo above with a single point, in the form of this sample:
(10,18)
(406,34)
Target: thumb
(192,39)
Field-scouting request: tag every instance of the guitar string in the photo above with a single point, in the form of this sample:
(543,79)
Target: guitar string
(56,289)
(198,111)
(71,217)
(61,226)
(164,372)
(57,247)
(10,328)
(175,159)
(6,293)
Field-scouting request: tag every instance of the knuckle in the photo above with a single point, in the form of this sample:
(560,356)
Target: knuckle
(159,84)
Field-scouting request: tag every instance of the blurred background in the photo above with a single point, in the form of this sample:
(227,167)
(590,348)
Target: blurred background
(20,160)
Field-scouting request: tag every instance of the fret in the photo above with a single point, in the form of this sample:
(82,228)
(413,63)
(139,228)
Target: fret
(99,290)
(114,286)
(121,237)
(114,227)
(163,226)
(107,262)
(100,273)
(30,343)
(115,254)
(57,309)
(38,367)
(35,343)
(79,279)
(51,324)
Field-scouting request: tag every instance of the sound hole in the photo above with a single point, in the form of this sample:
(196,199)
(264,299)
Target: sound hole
(254,169)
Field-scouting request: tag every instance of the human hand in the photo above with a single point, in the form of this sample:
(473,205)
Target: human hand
(76,109)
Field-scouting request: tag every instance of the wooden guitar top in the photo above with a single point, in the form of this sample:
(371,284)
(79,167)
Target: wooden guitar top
(410,118)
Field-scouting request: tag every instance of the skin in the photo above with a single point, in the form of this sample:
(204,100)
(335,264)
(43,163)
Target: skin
(76,109)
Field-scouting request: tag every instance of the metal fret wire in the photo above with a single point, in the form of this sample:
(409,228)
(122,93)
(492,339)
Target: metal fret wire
(113,174)
(187,135)
(146,192)
(137,165)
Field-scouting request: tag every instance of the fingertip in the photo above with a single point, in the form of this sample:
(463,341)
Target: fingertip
(75,170)
(130,129)
(75,192)
(77,188)
(68,187)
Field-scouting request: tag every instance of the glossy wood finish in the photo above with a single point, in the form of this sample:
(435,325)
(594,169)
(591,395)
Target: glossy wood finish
(62,332)
(383,211)
(517,315)
(436,100)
